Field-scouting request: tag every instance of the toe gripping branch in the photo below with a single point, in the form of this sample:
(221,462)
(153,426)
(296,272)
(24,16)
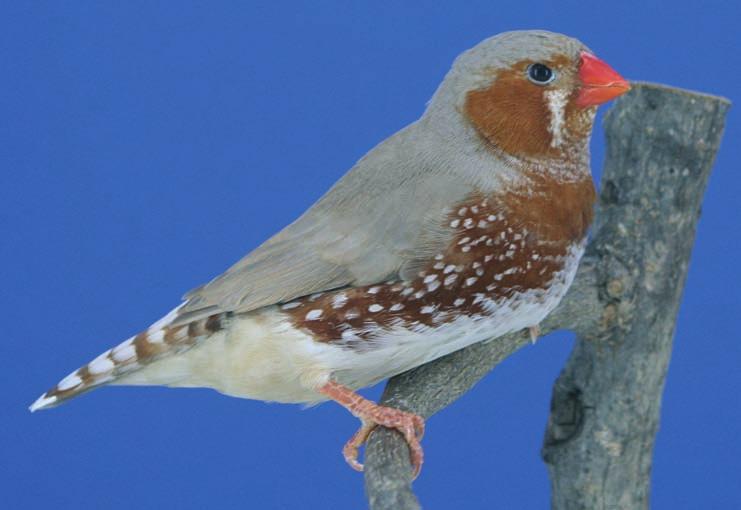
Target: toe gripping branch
(371,415)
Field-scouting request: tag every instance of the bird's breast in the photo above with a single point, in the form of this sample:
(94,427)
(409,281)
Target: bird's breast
(506,251)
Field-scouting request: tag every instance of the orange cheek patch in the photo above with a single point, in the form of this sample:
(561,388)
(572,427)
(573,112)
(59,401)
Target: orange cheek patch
(512,115)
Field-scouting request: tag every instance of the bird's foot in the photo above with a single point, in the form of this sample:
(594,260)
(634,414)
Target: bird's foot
(410,425)
(534,333)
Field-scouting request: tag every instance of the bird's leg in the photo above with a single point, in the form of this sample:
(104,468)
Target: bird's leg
(411,426)
(534,333)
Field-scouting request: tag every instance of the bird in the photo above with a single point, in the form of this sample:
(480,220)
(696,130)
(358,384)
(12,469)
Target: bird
(463,226)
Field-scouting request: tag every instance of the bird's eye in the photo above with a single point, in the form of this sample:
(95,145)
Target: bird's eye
(540,74)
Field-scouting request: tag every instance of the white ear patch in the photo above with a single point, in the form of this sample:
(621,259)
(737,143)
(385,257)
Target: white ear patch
(556,100)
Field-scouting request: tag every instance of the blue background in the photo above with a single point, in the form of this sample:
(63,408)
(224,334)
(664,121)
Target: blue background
(147,146)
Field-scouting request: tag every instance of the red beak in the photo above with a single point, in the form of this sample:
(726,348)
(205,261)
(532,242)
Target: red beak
(599,82)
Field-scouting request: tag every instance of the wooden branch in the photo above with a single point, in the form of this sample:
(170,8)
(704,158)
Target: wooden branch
(661,143)
(605,404)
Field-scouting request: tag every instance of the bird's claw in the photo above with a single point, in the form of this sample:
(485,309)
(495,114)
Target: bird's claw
(411,426)
(534,333)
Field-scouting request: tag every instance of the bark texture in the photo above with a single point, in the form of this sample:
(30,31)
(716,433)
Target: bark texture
(661,144)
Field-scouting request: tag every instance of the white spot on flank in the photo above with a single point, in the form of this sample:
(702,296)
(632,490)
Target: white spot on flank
(374,308)
(479,272)
(288,306)
(69,382)
(488,258)
(468,223)
(349,335)
(407,291)
(462,211)
(374,290)
(448,269)
(536,256)
(315,296)
(101,364)
(470,281)
(474,209)
(464,241)
(313,315)
(432,286)
(492,217)
(450,279)
(439,265)
(339,300)
(419,294)
(430,278)
(396,307)
(427,309)
(439,256)
(556,104)
(482,224)
(352,314)
(459,302)
(466,248)
(455,223)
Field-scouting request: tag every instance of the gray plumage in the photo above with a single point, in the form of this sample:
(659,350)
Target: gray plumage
(386,219)
(383,219)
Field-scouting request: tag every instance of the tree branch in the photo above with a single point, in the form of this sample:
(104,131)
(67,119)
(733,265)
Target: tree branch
(661,147)
(661,143)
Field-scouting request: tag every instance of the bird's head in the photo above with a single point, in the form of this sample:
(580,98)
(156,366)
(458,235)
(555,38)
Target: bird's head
(530,94)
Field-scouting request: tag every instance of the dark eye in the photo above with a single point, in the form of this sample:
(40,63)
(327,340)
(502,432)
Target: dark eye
(540,74)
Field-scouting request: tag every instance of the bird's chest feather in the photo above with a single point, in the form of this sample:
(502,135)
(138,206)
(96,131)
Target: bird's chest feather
(510,259)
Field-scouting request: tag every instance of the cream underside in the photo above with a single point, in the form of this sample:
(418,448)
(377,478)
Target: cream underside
(261,356)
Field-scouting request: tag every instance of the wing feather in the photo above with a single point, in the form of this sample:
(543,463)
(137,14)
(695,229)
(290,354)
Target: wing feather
(383,220)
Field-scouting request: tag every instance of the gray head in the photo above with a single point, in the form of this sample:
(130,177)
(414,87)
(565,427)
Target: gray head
(530,94)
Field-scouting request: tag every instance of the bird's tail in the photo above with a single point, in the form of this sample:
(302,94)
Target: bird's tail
(160,340)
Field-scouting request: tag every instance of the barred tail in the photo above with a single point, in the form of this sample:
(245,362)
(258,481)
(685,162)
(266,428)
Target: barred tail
(159,341)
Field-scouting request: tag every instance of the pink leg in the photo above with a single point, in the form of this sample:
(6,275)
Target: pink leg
(411,426)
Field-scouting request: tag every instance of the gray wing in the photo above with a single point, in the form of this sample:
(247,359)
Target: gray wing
(384,219)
